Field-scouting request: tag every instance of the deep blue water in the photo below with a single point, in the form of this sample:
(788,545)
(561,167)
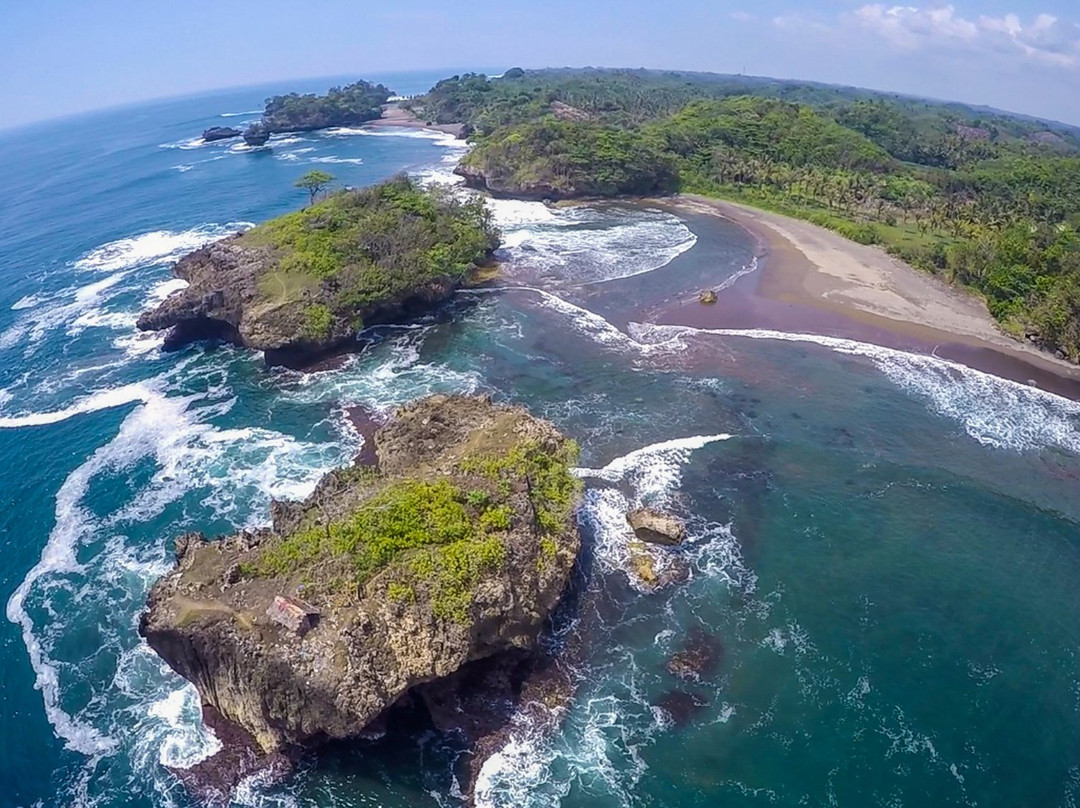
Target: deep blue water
(883,545)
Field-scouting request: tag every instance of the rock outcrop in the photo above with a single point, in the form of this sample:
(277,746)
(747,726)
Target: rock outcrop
(257,134)
(304,285)
(220,133)
(226,299)
(393,613)
(656,527)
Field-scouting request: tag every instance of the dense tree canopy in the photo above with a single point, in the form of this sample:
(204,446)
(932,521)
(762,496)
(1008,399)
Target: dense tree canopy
(341,106)
(990,200)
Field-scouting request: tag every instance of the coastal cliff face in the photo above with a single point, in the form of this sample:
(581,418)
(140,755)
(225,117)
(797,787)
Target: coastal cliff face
(226,299)
(307,283)
(456,549)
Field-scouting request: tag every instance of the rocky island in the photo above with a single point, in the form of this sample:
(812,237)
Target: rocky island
(305,284)
(454,548)
(350,105)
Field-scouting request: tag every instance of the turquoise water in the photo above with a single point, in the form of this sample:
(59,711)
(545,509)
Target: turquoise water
(883,546)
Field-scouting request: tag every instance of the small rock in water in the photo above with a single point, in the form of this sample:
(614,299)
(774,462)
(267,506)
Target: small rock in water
(699,658)
(682,706)
(708,297)
(656,527)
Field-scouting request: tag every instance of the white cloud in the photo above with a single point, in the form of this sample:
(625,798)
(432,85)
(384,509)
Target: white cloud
(1045,38)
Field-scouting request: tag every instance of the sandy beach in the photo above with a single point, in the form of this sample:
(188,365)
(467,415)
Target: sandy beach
(815,281)
(396,115)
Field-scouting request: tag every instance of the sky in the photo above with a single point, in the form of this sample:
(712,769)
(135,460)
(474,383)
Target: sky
(61,57)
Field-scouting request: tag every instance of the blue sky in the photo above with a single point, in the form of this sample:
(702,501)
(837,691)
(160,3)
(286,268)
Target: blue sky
(59,57)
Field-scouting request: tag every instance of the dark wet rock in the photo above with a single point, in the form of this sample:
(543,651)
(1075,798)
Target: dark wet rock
(656,527)
(682,707)
(700,658)
(257,134)
(366,422)
(220,133)
(481,704)
(212,782)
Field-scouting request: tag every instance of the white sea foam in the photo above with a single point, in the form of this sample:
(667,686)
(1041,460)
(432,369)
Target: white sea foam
(157,247)
(581,244)
(103,400)
(241,114)
(59,311)
(356,161)
(159,291)
(27,302)
(742,272)
(184,167)
(286,140)
(87,558)
(440,138)
(186,145)
(996,412)
(592,325)
(653,470)
(380,383)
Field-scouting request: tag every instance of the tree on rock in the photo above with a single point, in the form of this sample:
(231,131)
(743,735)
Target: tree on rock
(314,182)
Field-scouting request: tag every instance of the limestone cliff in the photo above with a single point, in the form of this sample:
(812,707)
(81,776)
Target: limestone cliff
(456,549)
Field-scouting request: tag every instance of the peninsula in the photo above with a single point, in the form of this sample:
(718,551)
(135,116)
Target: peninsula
(305,284)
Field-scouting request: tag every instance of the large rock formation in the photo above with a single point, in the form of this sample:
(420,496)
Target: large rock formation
(220,133)
(305,284)
(226,298)
(455,550)
(257,134)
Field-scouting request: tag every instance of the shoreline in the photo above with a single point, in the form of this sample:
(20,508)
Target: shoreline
(395,115)
(811,280)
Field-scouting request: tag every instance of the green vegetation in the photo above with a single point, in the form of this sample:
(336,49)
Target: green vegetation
(353,251)
(552,489)
(341,106)
(320,322)
(433,534)
(314,182)
(572,157)
(985,199)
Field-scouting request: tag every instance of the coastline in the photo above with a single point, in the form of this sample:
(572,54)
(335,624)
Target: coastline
(394,115)
(811,280)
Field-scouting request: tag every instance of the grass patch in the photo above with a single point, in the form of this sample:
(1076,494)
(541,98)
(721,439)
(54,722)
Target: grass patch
(318,322)
(439,538)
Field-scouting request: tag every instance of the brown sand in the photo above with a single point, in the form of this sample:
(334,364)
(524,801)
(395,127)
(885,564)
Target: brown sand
(396,115)
(815,281)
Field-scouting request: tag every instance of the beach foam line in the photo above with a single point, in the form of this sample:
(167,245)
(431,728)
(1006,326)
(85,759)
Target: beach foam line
(730,281)
(102,400)
(439,138)
(996,412)
(591,324)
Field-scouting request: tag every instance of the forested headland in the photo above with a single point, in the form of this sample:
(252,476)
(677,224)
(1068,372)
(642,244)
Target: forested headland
(351,105)
(988,200)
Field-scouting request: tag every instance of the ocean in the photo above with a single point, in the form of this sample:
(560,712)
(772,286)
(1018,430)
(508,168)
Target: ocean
(883,547)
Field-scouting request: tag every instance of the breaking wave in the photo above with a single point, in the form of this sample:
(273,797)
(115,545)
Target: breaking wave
(597,750)
(581,245)
(157,247)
